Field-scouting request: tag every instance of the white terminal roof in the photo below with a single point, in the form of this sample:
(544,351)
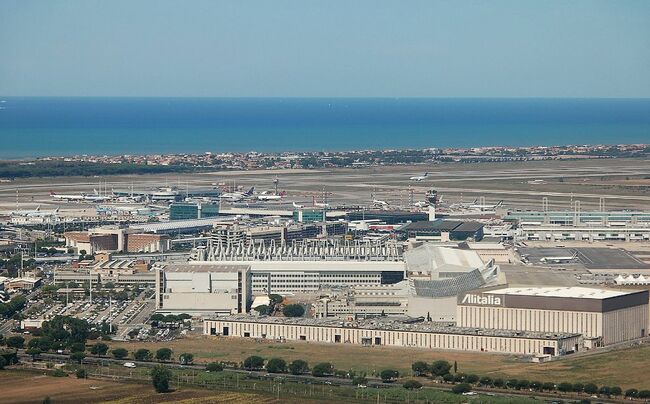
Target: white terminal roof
(571,291)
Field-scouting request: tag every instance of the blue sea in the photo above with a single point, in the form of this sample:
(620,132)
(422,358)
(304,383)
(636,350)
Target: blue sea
(31,127)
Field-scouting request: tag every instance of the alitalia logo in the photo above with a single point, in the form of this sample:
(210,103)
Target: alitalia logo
(481,300)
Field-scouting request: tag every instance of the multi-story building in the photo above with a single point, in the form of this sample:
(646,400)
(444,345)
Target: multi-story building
(601,316)
(207,289)
(192,210)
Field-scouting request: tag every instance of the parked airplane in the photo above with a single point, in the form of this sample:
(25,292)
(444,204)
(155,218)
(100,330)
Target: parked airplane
(379,202)
(321,205)
(420,204)
(267,196)
(35,212)
(79,197)
(237,196)
(559,260)
(420,177)
(476,206)
(297,206)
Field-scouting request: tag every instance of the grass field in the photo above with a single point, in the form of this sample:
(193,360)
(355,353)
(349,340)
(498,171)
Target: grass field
(625,368)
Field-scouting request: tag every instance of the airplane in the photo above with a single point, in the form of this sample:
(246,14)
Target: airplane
(297,206)
(379,202)
(559,260)
(266,196)
(321,205)
(475,206)
(35,213)
(420,177)
(420,204)
(237,196)
(79,197)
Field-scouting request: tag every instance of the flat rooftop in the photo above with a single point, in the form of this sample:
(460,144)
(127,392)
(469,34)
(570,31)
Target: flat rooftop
(205,267)
(570,291)
(394,324)
(333,265)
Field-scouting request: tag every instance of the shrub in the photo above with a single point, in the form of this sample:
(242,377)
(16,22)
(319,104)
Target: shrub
(58,373)
(164,354)
(142,354)
(461,388)
(565,387)
(615,391)
(644,394)
(605,391)
(293,310)
(160,377)
(440,368)
(276,365)
(186,358)
(412,385)
(214,367)
(448,378)
(359,380)
(459,377)
(119,353)
(471,379)
(78,356)
(322,369)
(499,383)
(253,362)
(631,393)
(590,388)
(523,384)
(262,309)
(548,386)
(512,383)
(388,375)
(3,362)
(485,381)
(578,387)
(81,373)
(420,368)
(15,342)
(77,347)
(298,367)
(99,349)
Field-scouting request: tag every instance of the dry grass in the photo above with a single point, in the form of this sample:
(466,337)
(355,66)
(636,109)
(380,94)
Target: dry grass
(625,368)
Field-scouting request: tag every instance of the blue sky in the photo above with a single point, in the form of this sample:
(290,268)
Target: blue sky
(279,48)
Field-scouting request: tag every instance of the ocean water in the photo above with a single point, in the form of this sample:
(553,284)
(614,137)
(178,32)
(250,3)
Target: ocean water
(31,127)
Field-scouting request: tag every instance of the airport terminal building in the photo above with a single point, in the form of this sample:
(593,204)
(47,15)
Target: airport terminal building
(601,316)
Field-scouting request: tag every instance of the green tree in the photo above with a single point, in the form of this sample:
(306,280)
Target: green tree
(3,362)
(440,368)
(293,310)
(471,379)
(616,391)
(412,385)
(262,309)
(420,368)
(253,362)
(485,381)
(214,367)
(322,369)
(590,388)
(388,375)
(633,393)
(164,354)
(142,354)
(522,384)
(81,373)
(160,377)
(276,365)
(565,387)
(499,383)
(33,352)
(298,367)
(548,386)
(15,342)
(77,356)
(186,358)
(99,349)
(77,347)
(461,388)
(605,391)
(276,299)
(578,387)
(644,394)
(59,373)
(119,353)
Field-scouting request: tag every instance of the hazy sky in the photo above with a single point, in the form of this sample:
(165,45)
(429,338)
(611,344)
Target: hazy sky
(325,48)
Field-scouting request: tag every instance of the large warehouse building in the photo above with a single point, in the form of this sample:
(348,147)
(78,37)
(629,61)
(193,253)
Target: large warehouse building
(394,333)
(601,316)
